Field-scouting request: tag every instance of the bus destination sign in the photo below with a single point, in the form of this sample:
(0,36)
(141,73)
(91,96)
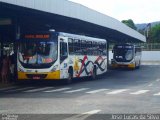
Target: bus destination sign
(37,36)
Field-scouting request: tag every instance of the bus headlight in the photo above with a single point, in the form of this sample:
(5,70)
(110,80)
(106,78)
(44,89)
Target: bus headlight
(54,68)
(20,70)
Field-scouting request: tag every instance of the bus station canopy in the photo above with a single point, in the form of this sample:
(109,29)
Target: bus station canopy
(66,16)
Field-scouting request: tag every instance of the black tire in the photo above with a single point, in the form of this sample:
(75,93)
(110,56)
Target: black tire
(134,68)
(94,74)
(70,77)
(139,64)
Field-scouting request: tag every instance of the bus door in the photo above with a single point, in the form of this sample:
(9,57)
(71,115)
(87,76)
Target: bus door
(63,57)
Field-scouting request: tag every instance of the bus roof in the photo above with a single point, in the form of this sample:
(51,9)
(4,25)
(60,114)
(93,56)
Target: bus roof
(81,37)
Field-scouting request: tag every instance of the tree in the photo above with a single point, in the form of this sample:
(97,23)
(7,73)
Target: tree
(155,34)
(130,23)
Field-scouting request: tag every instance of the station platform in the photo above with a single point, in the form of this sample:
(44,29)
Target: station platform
(150,62)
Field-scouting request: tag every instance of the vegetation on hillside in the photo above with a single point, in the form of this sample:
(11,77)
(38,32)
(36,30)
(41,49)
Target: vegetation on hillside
(129,23)
(152,33)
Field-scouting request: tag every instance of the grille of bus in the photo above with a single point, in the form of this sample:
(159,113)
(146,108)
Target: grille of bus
(40,76)
(122,60)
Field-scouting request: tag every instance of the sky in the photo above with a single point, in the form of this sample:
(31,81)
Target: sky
(140,11)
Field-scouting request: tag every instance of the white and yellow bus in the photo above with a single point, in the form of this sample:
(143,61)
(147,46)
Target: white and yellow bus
(126,55)
(56,55)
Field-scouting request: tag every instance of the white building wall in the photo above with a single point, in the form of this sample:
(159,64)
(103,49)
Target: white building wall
(152,56)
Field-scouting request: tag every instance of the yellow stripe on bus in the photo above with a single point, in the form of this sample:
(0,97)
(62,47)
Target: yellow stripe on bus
(22,75)
(53,75)
(121,65)
(50,75)
(131,66)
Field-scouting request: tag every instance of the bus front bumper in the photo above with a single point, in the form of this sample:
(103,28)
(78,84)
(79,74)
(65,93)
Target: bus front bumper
(132,66)
(34,76)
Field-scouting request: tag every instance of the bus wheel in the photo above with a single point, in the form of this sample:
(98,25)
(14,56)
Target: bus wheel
(94,74)
(70,76)
(139,63)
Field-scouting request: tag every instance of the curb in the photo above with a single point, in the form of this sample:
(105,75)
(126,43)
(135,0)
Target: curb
(6,85)
(150,62)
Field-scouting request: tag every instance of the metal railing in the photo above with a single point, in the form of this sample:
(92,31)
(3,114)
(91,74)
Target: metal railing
(145,46)
(150,46)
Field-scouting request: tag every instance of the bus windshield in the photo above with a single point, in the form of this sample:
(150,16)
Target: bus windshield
(123,53)
(37,52)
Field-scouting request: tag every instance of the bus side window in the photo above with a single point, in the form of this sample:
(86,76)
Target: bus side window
(71,46)
(63,51)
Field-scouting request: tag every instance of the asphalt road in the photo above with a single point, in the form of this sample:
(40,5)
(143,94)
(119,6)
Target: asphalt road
(119,91)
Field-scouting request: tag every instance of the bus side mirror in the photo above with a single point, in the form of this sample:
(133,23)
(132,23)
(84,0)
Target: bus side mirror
(112,51)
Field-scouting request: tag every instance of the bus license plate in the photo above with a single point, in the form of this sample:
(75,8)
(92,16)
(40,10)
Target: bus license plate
(36,77)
